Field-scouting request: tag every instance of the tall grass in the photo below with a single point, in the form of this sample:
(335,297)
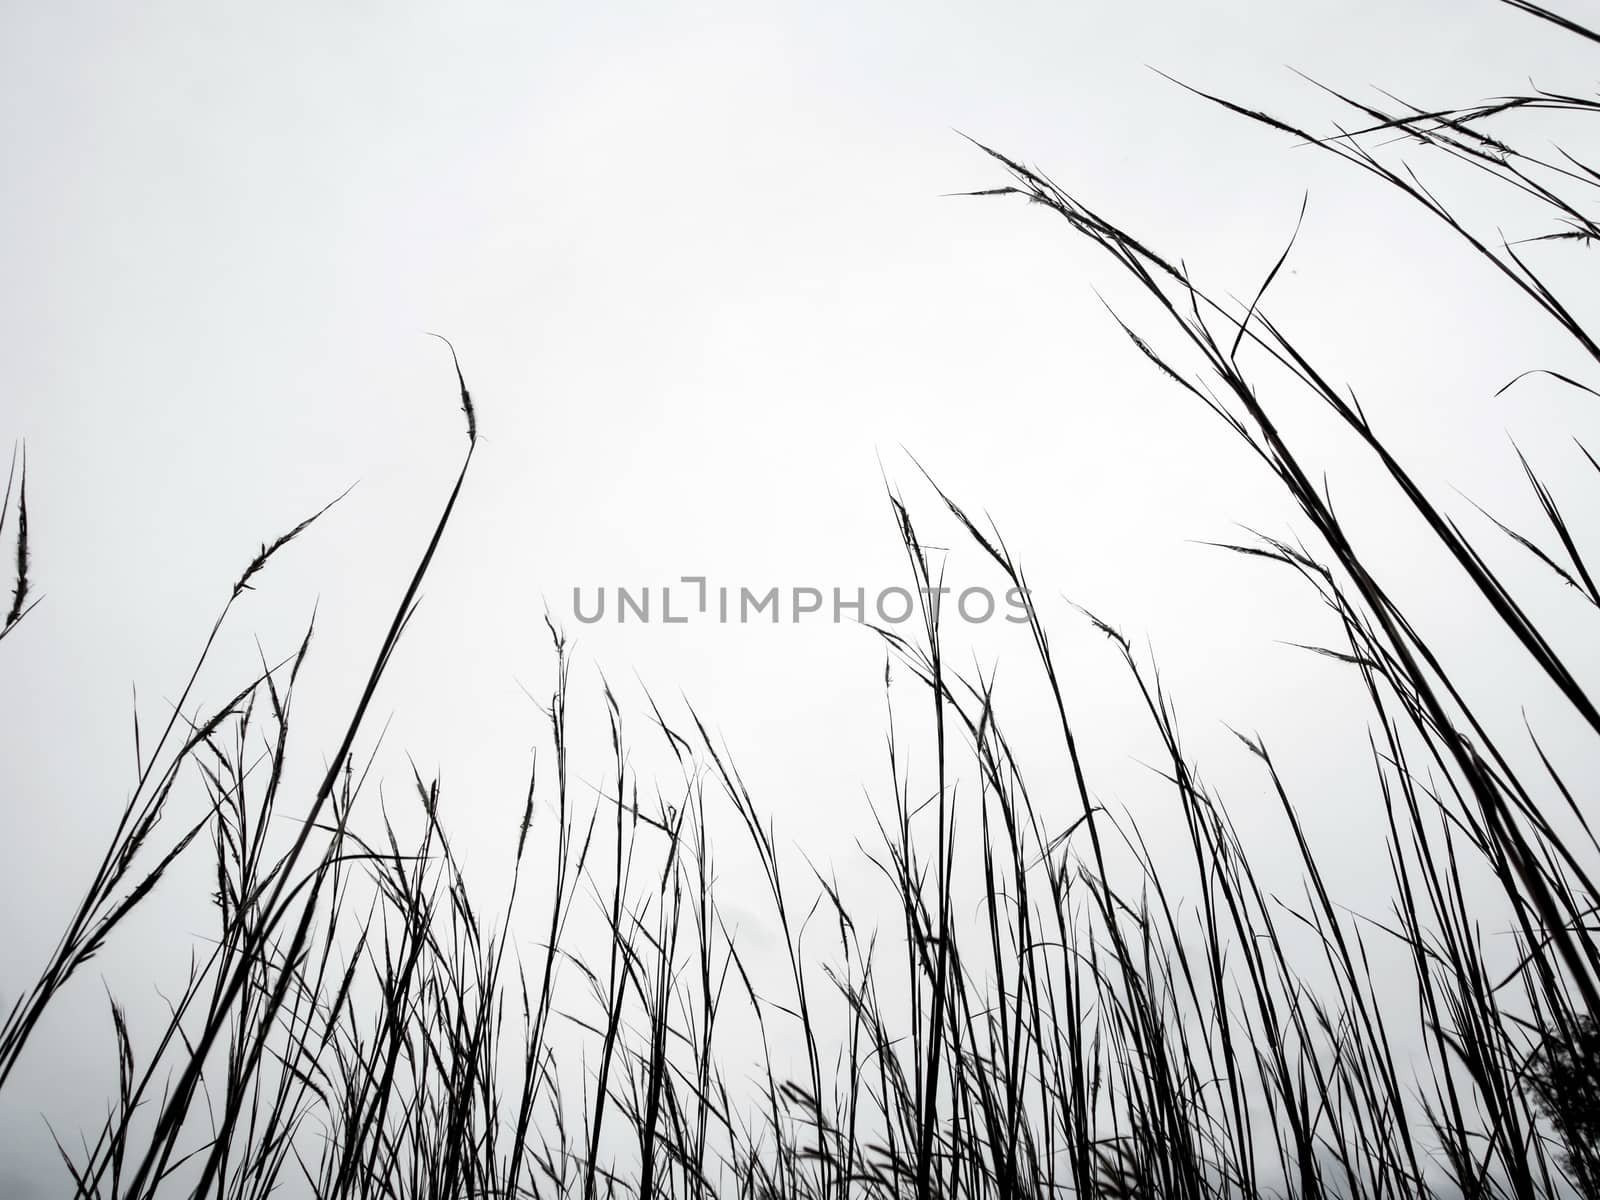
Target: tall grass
(1043,1013)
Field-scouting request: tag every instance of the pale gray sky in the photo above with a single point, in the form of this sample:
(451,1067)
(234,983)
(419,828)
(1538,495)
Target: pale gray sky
(702,275)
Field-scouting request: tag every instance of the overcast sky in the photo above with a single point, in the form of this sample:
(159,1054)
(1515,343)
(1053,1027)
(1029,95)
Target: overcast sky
(709,289)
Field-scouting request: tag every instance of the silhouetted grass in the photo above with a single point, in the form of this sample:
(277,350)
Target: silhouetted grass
(1040,1013)
(20,590)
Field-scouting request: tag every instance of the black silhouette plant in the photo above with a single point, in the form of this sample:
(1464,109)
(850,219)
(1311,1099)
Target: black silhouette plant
(1044,1013)
(1565,1072)
(20,589)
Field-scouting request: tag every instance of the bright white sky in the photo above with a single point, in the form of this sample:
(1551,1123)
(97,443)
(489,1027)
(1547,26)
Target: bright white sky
(703,278)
